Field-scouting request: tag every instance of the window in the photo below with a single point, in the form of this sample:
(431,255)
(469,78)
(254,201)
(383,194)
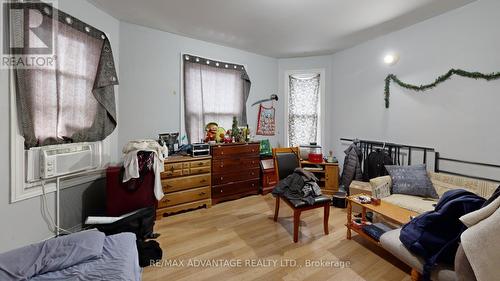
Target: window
(69,100)
(303,104)
(213,92)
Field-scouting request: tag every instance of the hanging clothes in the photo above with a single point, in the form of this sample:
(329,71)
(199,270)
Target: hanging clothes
(374,164)
(352,166)
(131,162)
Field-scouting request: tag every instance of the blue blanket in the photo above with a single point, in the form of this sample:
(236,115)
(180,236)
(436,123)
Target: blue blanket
(82,256)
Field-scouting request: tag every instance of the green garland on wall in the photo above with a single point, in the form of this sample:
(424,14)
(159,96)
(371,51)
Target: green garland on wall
(439,80)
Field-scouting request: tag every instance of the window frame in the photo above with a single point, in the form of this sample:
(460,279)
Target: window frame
(182,111)
(20,189)
(321,103)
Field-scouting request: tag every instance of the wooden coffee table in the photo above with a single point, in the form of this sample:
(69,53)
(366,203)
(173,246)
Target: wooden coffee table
(390,211)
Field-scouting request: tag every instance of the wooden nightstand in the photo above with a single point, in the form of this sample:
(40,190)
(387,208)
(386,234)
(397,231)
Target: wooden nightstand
(327,173)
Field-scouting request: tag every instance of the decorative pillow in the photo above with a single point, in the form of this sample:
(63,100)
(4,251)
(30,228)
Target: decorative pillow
(381,186)
(411,180)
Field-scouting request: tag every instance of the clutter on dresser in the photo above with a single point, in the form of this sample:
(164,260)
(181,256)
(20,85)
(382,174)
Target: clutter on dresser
(215,134)
(331,158)
(199,149)
(312,148)
(265,148)
(171,140)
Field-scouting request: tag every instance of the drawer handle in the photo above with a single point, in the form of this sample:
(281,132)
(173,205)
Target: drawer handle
(203,181)
(172,169)
(253,184)
(222,165)
(253,173)
(168,186)
(222,152)
(167,200)
(221,178)
(200,164)
(202,193)
(221,191)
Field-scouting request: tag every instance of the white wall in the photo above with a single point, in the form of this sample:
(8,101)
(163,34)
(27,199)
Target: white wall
(22,222)
(459,117)
(150,79)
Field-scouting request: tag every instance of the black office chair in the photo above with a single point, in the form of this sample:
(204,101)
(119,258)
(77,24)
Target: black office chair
(285,162)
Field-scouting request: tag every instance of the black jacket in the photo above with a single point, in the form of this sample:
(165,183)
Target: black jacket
(375,164)
(292,186)
(352,166)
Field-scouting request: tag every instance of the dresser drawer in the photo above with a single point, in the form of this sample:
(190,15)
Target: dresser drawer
(235,188)
(200,170)
(229,151)
(243,175)
(176,184)
(234,164)
(171,174)
(200,163)
(180,197)
(173,166)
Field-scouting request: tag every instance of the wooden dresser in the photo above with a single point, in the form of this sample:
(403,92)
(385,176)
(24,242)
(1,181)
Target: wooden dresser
(235,171)
(186,184)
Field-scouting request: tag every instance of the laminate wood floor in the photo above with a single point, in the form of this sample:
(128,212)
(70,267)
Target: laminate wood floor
(238,240)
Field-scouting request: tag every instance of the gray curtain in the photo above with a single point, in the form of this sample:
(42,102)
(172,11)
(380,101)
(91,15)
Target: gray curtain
(73,99)
(214,91)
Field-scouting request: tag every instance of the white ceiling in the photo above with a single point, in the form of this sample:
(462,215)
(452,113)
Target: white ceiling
(279,28)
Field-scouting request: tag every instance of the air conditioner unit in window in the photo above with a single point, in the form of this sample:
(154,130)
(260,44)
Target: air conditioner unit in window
(60,160)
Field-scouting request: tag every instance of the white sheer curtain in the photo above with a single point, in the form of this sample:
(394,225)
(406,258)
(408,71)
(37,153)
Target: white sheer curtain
(303,109)
(211,95)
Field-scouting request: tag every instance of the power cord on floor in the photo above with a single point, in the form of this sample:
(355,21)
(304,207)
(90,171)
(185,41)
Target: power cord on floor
(47,217)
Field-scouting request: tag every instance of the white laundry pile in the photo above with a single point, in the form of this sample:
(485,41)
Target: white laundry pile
(131,164)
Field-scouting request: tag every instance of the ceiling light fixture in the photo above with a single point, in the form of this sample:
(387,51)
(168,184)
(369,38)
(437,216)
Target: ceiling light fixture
(391,58)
